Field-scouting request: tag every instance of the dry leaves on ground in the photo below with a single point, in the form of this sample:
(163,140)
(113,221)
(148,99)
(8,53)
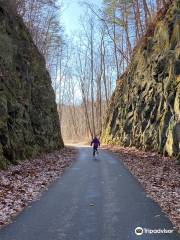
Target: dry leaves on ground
(160,176)
(23,183)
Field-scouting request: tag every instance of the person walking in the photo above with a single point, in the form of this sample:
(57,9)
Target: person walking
(95,143)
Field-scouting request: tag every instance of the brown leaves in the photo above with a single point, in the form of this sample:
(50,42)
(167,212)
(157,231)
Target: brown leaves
(160,176)
(23,183)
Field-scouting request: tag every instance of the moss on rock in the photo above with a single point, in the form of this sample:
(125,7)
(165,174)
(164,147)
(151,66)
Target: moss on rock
(29,122)
(145,107)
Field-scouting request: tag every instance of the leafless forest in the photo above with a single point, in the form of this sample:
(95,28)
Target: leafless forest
(84,67)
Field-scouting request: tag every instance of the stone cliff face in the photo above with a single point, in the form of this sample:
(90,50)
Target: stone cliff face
(145,107)
(29,122)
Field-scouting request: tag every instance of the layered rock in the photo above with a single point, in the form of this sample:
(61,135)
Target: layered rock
(29,122)
(145,107)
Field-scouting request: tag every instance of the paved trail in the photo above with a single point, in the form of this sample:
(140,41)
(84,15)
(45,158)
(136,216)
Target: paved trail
(94,200)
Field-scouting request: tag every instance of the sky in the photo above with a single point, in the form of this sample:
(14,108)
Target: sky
(71,14)
(72,11)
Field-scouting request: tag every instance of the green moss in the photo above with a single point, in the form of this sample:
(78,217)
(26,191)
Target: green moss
(29,122)
(176,35)
(177,102)
(161,37)
(6,49)
(147,103)
(3,160)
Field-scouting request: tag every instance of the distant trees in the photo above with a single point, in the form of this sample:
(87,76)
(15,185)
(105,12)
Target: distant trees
(84,69)
(42,17)
(126,22)
(103,51)
(92,70)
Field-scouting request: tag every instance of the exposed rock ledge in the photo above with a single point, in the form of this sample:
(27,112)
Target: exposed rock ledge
(145,107)
(29,122)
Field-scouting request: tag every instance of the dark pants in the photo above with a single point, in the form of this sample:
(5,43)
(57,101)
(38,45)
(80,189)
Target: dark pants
(95,149)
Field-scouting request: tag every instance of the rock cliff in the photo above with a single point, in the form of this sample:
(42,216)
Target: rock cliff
(145,108)
(29,122)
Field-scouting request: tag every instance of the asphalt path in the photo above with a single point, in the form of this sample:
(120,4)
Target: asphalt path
(95,199)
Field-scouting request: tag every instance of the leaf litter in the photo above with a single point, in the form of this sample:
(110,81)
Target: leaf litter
(159,175)
(24,183)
